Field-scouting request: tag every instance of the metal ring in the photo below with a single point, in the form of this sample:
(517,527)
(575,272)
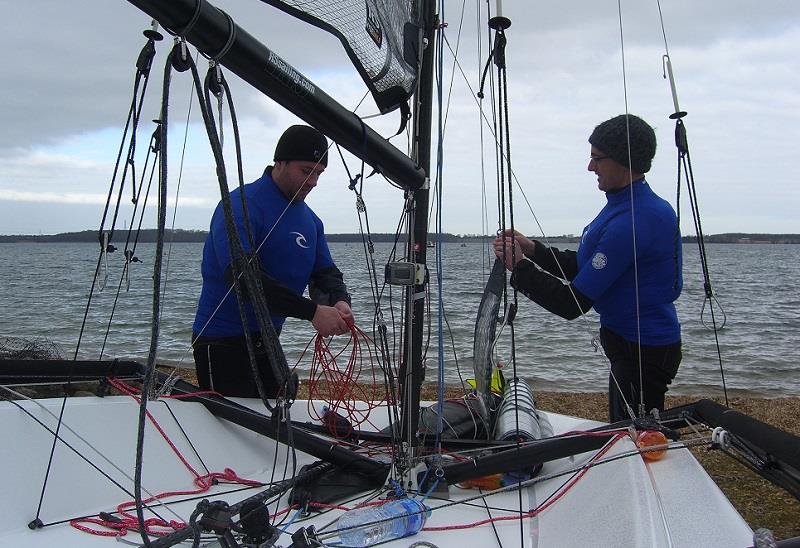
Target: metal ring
(195,16)
(231,39)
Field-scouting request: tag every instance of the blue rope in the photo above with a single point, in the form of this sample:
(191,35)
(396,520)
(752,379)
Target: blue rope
(438,191)
(286,525)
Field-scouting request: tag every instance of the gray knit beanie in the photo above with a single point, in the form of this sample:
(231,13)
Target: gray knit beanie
(611,137)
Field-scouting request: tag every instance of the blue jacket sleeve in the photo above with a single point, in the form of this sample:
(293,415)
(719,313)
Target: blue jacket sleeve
(550,292)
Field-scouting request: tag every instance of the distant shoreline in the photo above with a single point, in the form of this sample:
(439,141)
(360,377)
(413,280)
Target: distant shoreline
(182,236)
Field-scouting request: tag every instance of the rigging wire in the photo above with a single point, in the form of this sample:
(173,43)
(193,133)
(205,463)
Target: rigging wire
(143,65)
(379,328)
(685,166)
(130,251)
(37,522)
(141,79)
(436,210)
(493,128)
(641,410)
(486,253)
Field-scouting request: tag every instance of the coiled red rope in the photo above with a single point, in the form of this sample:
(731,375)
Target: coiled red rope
(348,382)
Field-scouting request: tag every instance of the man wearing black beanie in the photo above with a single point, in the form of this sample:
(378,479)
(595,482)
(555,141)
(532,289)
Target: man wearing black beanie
(627,267)
(290,243)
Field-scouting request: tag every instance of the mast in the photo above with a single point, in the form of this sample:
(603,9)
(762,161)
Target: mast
(411,368)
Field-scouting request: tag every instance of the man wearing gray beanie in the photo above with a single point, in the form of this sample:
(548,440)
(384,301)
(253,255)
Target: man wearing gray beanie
(290,243)
(627,267)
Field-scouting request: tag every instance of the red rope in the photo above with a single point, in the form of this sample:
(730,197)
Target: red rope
(536,511)
(119,526)
(347,380)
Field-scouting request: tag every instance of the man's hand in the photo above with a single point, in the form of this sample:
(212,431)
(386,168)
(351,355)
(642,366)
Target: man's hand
(510,253)
(329,321)
(346,312)
(527,245)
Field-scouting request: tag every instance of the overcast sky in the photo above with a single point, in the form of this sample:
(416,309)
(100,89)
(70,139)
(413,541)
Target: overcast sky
(68,73)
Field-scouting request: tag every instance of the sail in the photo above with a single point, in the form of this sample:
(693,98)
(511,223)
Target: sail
(483,342)
(382,38)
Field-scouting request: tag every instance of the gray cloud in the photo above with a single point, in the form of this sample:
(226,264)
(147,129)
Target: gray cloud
(69,75)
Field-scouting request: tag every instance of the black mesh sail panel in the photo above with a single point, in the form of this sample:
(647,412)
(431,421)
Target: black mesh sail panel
(382,38)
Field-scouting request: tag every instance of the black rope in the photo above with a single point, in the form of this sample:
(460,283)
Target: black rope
(215,79)
(245,268)
(685,166)
(147,382)
(130,251)
(143,65)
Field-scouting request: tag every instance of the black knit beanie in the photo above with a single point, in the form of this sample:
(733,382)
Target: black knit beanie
(302,143)
(611,138)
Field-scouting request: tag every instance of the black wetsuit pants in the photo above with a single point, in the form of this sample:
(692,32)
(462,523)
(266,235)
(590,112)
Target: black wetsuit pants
(659,366)
(222,365)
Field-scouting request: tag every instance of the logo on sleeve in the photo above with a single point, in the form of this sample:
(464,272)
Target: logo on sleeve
(599,261)
(300,240)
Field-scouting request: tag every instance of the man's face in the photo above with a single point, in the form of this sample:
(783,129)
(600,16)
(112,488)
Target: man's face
(611,175)
(296,178)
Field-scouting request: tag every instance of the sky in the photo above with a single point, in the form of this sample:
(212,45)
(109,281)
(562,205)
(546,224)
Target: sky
(68,74)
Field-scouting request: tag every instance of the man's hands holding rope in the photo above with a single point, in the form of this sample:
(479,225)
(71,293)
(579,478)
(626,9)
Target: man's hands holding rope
(333,320)
(512,246)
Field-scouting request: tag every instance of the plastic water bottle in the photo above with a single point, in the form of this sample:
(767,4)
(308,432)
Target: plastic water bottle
(404,517)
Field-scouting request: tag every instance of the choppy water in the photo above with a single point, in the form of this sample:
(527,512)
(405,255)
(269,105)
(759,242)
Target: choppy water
(44,290)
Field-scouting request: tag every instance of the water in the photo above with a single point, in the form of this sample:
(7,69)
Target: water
(45,287)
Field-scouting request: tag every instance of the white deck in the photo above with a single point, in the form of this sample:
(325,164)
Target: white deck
(671,502)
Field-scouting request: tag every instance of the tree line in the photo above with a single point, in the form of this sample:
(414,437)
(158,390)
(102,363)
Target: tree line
(180,235)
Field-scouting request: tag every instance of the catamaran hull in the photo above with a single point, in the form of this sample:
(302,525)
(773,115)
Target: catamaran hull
(622,502)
